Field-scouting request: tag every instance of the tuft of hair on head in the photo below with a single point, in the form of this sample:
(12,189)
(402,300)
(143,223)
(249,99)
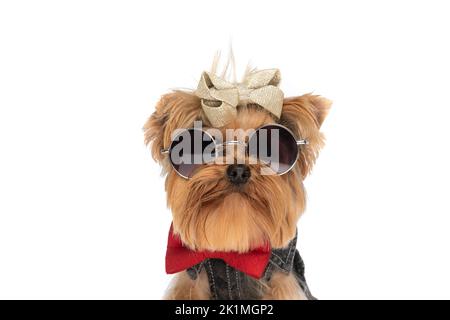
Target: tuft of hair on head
(229,69)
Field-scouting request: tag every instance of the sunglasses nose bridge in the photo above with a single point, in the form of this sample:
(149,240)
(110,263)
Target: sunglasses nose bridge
(232,151)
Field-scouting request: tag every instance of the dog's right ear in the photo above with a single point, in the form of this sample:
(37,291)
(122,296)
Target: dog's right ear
(175,110)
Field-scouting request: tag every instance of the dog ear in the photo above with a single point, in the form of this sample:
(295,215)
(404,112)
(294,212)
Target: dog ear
(304,115)
(174,110)
(321,107)
(313,107)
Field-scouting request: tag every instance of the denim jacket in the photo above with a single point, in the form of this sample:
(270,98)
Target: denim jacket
(228,283)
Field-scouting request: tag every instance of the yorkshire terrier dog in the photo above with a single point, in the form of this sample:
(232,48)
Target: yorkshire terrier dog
(235,155)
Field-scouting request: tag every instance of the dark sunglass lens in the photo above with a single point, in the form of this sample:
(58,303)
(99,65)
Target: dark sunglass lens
(189,150)
(274,146)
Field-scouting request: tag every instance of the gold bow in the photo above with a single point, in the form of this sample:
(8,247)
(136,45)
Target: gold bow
(220,98)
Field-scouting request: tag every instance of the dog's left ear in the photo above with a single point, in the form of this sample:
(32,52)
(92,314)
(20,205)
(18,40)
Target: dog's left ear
(321,105)
(306,107)
(304,115)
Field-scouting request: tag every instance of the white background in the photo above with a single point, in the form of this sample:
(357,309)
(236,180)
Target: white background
(82,205)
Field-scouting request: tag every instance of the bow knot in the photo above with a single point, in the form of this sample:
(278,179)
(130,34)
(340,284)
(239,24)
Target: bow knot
(220,98)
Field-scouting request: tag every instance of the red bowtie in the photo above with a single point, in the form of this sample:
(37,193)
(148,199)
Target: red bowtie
(179,258)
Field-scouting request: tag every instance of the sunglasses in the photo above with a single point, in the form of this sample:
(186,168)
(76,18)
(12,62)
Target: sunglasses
(273,145)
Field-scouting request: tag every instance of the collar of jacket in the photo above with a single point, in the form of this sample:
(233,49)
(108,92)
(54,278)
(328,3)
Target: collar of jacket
(281,259)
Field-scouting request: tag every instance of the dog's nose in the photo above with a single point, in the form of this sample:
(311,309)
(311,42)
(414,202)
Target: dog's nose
(238,173)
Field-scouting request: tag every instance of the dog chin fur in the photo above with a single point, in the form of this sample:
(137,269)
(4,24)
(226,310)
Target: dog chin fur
(211,214)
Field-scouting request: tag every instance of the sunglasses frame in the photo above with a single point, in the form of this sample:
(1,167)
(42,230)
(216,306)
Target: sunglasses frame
(237,142)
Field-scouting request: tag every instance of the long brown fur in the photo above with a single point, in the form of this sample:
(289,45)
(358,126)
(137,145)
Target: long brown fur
(211,214)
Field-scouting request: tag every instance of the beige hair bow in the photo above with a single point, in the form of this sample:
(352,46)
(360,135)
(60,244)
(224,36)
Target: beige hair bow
(220,98)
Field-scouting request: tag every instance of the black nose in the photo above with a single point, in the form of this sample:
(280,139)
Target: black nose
(238,173)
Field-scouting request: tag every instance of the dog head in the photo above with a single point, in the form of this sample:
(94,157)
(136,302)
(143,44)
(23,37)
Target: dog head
(234,207)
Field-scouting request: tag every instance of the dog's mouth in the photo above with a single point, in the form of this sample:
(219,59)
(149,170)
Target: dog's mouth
(242,189)
(210,187)
(239,193)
